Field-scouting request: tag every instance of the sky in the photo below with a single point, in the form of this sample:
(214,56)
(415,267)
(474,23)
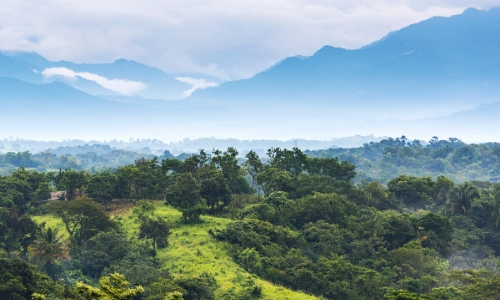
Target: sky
(223,38)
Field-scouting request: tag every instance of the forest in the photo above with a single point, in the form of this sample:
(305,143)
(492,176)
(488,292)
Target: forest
(291,225)
(380,161)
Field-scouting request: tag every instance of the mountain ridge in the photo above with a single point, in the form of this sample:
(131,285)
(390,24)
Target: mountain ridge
(408,61)
(29,66)
(378,89)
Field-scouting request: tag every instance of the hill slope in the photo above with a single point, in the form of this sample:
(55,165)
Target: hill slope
(192,251)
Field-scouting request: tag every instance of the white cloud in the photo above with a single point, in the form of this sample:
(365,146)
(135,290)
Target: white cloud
(225,38)
(195,84)
(122,86)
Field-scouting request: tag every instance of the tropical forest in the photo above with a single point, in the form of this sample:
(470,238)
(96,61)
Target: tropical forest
(394,219)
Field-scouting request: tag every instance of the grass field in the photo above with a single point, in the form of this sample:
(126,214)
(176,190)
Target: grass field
(192,251)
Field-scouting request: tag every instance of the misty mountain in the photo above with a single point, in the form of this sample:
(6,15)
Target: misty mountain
(56,110)
(29,67)
(437,77)
(441,64)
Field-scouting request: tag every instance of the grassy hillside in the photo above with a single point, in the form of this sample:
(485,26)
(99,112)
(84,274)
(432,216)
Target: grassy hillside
(192,251)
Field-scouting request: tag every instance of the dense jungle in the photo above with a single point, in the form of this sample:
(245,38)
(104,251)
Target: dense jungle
(389,220)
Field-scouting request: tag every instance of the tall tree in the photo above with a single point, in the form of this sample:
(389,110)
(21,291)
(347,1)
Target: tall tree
(460,198)
(185,195)
(227,162)
(82,217)
(214,187)
(293,161)
(157,230)
(101,187)
(48,250)
(495,197)
(253,166)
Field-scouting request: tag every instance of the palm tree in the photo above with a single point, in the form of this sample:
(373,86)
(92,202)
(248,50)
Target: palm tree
(460,198)
(495,196)
(48,249)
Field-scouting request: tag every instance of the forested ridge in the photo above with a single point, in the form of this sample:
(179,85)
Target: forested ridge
(378,161)
(303,220)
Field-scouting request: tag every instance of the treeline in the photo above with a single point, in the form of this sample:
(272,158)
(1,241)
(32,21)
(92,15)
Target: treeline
(94,159)
(378,161)
(452,158)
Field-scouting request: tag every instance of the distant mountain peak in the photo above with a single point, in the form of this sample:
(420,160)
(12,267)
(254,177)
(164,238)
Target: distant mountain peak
(31,67)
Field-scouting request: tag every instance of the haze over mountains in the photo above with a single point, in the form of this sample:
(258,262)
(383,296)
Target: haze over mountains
(438,77)
(122,77)
(453,60)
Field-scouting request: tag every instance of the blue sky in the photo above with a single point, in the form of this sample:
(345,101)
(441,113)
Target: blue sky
(225,38)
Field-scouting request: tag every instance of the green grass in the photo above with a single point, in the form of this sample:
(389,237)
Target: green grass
(53,222)
(192,251)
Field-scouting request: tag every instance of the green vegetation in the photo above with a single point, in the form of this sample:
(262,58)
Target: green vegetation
(209,227)
(452,158)
(378,161)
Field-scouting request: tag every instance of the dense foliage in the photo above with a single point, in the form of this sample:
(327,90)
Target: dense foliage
(298,220)
(379,161)
(452,158)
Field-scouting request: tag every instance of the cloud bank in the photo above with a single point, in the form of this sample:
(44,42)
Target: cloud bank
(224,38)
(196,84)
(122,86)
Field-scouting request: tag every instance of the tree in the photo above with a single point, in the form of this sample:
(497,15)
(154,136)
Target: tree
(460,198)
(125,182)
(253,165)
(156,230)
(443,187)
(101,251)
(198,288)
(165,289)
(71,181)
(101,187)
(227,162)
(26,231)
(293,161)
(495,197)
(331,167)
(144,209)
(83,218)
(378,197)
(185,195)
(48,250)
(274,179)
(174,296)
(42,192)
(214,188)
(395,228)
(442,229)
(15,190)
(17,279)
(144,177)
(401,295)
(412,191)
(114,287)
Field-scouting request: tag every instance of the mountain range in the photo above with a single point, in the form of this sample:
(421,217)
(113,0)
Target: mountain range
(122,77)
(441,64)
(439,76)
